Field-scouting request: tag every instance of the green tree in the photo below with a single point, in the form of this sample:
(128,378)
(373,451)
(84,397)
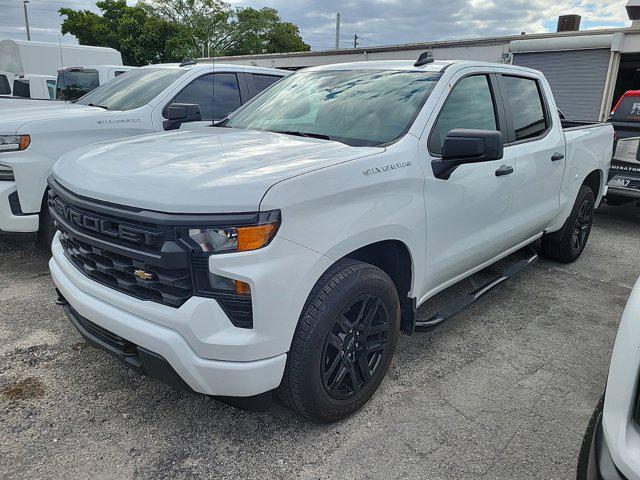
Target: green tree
(171,30)
(253,31)
(138,32)
(216,29)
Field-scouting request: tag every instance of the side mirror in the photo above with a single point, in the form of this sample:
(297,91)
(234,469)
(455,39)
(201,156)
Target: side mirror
(179,113)
(463,146)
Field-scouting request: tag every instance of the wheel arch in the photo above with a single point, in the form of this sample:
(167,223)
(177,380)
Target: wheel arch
(595,182)
(394,258)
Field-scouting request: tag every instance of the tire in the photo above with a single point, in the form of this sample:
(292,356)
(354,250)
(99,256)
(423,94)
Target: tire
(324,378)
(567,244)
(585,449)
(47,229)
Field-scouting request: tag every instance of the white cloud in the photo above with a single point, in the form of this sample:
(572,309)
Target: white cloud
(375,21)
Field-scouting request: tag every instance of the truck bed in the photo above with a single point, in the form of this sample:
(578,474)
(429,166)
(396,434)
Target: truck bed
(576,124)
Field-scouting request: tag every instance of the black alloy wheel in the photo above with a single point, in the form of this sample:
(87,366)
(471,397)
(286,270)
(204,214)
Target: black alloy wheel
(582,227)
(355,346)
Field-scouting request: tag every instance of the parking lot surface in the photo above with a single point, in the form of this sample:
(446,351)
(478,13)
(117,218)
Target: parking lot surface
(505,390)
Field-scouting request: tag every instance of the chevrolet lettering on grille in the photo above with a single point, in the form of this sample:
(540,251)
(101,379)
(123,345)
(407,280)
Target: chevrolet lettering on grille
(95,223)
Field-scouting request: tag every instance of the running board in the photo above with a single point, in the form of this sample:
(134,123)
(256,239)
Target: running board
(462,303)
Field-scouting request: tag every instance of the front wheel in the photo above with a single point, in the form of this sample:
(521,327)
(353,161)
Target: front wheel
(567,244)
(344,342)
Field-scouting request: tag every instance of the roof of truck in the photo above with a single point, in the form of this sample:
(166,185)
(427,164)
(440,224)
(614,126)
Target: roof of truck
(216,65)
(409,65)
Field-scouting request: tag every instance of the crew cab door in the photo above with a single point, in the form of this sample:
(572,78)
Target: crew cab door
(218,94)
(468,214)
(536,142)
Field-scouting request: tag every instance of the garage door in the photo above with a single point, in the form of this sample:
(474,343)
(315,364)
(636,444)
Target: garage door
(577,78)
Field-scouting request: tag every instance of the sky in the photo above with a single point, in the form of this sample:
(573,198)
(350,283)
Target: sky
(376,22)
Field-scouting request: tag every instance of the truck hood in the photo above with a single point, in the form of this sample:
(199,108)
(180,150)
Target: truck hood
(15,113)
(12,103)
(211,170)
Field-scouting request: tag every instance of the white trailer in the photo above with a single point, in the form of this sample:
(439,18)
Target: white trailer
(26,57)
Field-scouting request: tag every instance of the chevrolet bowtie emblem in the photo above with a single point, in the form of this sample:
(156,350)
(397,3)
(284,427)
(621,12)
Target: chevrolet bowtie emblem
(142,275)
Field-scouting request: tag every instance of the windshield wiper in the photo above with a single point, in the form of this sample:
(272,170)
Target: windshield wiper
(303,134)
(99,106)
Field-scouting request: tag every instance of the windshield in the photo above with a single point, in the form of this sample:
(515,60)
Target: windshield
(73,85)
(356,107)
(132,89)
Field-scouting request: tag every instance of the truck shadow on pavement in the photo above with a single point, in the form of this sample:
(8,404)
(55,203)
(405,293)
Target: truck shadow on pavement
(518,372)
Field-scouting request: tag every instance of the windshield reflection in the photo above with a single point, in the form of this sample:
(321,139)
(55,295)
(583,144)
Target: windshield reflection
(358,107)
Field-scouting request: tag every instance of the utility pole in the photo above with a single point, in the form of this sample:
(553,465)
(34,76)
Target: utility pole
(355,41)
(338,31)
(26,18)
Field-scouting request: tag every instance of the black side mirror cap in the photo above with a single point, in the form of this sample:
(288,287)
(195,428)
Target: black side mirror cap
(179,113)
(462,146)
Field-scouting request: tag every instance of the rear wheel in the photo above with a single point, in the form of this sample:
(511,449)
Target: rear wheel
(344,342)
(567,244)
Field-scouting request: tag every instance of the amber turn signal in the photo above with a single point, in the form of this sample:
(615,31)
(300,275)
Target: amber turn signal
(255,237)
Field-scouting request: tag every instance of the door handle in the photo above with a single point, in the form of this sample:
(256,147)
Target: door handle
(557,157)
(504,170)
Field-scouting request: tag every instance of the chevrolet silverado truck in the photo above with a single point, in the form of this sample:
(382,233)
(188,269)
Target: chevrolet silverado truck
(624,176)
(289,245)
(34,134)
(611,445)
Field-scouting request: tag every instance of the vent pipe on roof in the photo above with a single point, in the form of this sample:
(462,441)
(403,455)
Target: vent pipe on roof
(633,11)
(569,23)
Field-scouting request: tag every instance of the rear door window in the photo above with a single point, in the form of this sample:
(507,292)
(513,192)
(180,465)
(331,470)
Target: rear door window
(218,94)
(5,87)
(262,82)
(523,98)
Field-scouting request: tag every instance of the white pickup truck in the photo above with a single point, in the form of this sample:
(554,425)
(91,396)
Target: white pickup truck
(288,246)
(149,99)
(36,87)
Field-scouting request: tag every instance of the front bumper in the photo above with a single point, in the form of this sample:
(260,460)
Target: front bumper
(15,225)
(601,466)
(204,375)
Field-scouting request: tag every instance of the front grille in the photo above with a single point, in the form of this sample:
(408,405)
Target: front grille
(171,287)
(125,251)
(109,228)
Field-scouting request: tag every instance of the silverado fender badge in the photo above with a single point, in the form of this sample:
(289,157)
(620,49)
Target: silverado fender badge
(386,168)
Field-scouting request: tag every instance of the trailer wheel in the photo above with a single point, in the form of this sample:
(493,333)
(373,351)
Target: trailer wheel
(567,244)
(344,342)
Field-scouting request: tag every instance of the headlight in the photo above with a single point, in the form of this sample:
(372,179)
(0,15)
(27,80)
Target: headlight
(12,143)
(241,238)
(204,241)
